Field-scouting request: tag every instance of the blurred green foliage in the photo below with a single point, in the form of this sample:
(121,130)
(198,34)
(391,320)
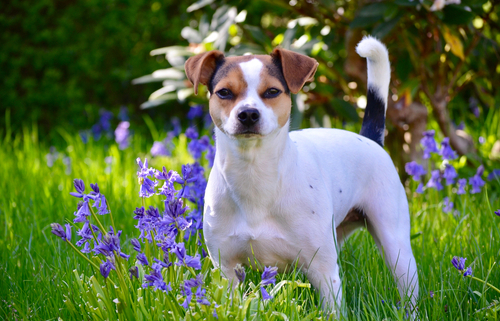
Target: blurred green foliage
(61,61)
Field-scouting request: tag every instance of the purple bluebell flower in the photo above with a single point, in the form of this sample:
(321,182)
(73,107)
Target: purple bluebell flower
(207,121)
(86,248)
(136,244)
(495,174)
(142,258)
(429,144)
(193,261)
(103,126)
(165,263)
(415,170)
(420,188)
(435,180)
(133,272)
(101,205)
(58,230)
(85,233)
(155,279)
(482,140)
(468,271)
(200,296)
(449,174)
(122,135)
(179,250)
(461,186)
(240,273)
(269,275)
(446,152)
(265,295)
(187,289)
(447,205)
(110,244)
(497,212)
(123,114)
(195,112)
(196,147)
(473,105)
(106,267)
(80,188)
(191,133)
(176,124)
(431,293)
(458,263)
(476,182)
(159,149)
(147,185)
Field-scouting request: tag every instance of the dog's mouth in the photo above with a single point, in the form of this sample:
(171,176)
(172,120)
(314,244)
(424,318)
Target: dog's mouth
(247,134)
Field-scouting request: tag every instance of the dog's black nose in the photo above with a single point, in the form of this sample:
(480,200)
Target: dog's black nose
(249,116)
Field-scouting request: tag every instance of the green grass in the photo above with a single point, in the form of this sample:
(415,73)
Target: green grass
(36,268)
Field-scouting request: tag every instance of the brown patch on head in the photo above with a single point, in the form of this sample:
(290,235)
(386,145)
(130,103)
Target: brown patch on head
(200,68)
(271,77)
(297,68)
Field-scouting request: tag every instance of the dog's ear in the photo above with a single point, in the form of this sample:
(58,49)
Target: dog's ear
(297,68)
(199,69)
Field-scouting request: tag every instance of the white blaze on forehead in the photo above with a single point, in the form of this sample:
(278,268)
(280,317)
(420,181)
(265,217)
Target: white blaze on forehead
(251,71)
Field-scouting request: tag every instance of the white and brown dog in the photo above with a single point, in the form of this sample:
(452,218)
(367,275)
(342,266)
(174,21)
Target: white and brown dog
(275,195)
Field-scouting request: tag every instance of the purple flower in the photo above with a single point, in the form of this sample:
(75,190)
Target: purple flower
(447,205)
(85,233)
(200,296)
(176,124)
(446,152)
(196,147)
(458,263)
(79,186)
(435,180)
(476,182)
(265,295)
(136,244)
(106,267)
(495,174)
(193,261)
(450,174)
(429,144)
(155,279)
(191,133)
(159,149)
(431,293)
(195,111)
(101,205)
(122,135)
(103,125)
(147,185)
(269,275)
(468,271)
(123,114)
(58,230)
(110,244)
(461,186)
(415,170)
(420,188)
(142,258)
(497,212)
(210,156)
(240,273)
(187,289)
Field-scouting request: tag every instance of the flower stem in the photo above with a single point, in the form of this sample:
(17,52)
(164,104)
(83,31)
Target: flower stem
(484,282)
(81,254)
(111,215)
(99,222)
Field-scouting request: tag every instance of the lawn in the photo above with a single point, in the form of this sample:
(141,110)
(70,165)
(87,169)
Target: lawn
(43,277)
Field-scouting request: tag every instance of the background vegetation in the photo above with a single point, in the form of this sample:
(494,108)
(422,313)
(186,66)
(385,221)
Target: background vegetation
(63,63)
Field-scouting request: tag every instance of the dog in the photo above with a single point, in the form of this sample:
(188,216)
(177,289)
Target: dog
(274,195)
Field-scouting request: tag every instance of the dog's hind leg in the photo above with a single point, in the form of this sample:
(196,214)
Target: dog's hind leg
(388,221)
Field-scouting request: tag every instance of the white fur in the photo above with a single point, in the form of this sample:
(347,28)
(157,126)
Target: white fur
(379,69)
(274,198)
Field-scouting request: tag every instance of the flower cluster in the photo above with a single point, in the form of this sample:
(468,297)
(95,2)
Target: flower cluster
(447,175)
(268,277)
(459,264)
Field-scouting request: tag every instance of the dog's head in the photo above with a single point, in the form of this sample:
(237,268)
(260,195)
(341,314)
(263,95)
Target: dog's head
(250,95)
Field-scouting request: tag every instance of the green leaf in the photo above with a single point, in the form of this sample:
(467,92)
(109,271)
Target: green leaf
(404,66)
(364,22)
(345,109)
(258,35)
(375,9)
(385,28)
(456,15)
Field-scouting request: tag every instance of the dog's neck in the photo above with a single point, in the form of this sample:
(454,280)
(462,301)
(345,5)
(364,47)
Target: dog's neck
(254,168)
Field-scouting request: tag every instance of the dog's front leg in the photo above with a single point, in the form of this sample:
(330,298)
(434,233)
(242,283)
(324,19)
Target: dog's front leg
(323,273)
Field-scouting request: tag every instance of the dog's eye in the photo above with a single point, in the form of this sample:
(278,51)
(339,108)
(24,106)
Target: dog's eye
(224,93)
(272,92)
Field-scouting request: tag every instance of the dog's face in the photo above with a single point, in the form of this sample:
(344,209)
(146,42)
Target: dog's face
(250,95)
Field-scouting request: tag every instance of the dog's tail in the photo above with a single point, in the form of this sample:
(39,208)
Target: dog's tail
(379,75)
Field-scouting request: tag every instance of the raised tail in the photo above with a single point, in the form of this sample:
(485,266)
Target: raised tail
(379,75)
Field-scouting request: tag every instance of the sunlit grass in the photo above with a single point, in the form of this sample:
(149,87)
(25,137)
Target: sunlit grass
(36,268)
